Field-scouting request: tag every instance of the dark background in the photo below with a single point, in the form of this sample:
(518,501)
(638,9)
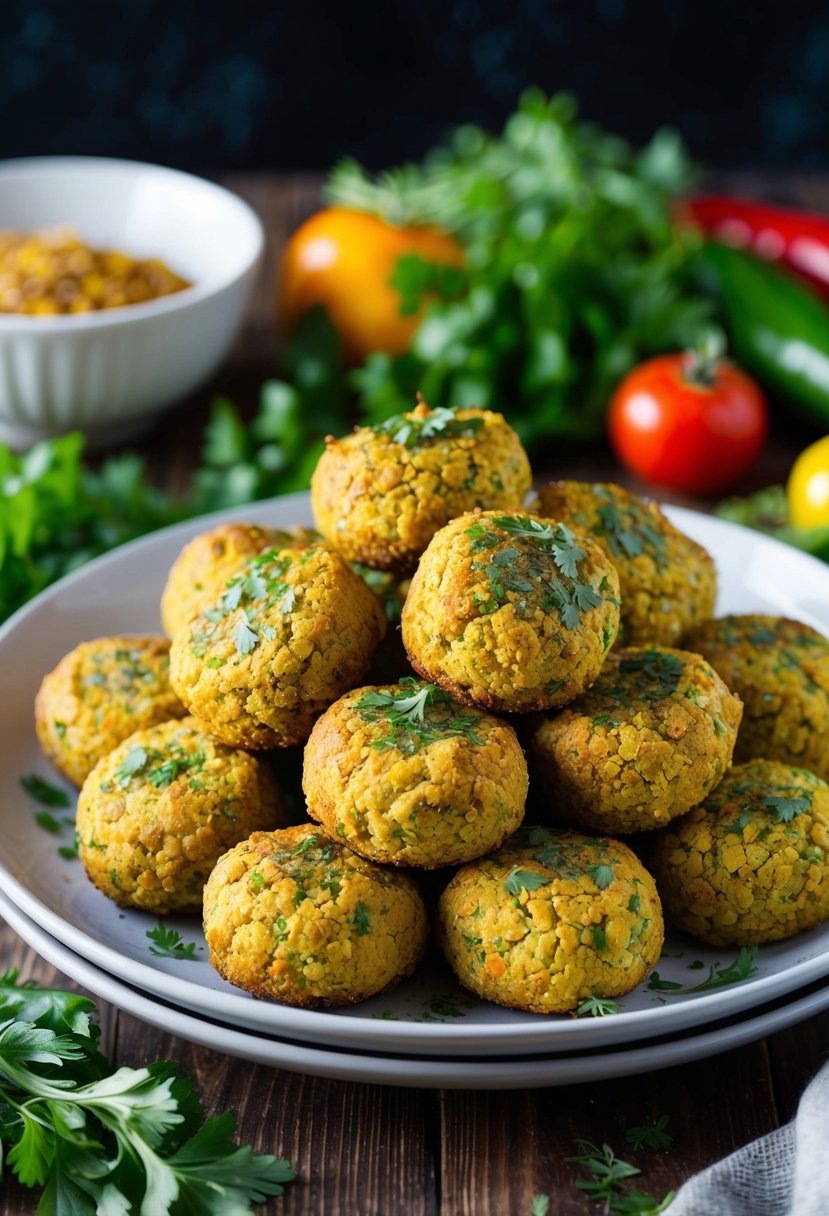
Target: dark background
(294,85)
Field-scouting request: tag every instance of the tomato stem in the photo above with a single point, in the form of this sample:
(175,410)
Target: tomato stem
(702,361)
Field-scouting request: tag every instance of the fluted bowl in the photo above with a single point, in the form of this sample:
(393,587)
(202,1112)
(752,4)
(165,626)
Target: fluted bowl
(111,372)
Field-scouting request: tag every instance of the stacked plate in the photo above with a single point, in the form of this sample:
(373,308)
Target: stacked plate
(427,1031)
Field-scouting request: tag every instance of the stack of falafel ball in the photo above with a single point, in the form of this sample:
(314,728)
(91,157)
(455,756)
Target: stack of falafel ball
(552,631)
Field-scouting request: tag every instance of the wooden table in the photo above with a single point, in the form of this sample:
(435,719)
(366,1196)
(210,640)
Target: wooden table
(362,1150)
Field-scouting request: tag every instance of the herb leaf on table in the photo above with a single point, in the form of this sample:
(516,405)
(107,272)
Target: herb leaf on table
(115,1141)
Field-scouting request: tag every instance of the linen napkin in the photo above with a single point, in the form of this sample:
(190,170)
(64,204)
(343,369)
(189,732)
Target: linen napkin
(785,1173)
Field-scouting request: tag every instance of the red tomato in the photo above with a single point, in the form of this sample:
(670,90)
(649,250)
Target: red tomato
(688,423)
(343,259)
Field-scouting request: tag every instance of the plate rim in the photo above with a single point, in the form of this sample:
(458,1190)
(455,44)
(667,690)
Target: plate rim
(412,1071)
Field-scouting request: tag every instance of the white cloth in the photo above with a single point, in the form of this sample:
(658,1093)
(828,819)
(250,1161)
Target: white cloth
(783,1174)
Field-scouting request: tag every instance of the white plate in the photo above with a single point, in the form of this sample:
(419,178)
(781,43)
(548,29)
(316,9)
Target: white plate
(119,593)
(418,1071)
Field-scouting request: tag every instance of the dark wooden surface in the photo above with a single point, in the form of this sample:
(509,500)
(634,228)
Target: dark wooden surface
(374,1151)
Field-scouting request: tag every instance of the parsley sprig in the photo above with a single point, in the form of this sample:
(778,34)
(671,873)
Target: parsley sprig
(606,1183)
(742,968)
(442,423)
(168,943)
(598,1007)
(518,569)
(411,725)
(160,768)
(116,1141)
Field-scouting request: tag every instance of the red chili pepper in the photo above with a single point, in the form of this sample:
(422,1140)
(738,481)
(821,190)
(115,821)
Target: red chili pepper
(798,239)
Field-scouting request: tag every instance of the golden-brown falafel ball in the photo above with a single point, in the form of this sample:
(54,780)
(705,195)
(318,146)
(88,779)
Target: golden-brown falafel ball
(403,775)
(550,920)
(98,695)
(751,864)
(381,493)
(292,632)
(649,740)
(202,569)
(155,814)
(780,669)
(668,582)
(296,917)
(511,612)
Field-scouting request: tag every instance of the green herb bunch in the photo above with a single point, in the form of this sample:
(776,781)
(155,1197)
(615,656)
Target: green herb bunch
(106,1141)
(573,270)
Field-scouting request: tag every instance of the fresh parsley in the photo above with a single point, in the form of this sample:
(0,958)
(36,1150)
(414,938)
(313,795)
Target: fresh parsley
(651,1135)
(415,715)
(602,874)
(44,792)
(607,1180)
(742,968)
(159,768)
(98,1139)
(524,567)
(787,806)
(168,943)
(524,880)
(540,1205)
(597,1007)
(411,430)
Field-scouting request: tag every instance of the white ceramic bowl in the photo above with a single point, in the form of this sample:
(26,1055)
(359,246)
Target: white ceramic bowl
(109,373)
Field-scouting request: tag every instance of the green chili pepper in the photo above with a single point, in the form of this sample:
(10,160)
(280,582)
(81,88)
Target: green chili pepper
(777,329)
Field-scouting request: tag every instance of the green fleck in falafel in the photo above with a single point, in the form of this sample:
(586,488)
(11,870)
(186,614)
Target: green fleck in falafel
(380,494)
(155,814)
(751,864)
(292,631)
(649,740)
(511,612)
(551,920)
(780,669)
(668,582)
(202,569)
(296,917)
(98,695)
(403,775)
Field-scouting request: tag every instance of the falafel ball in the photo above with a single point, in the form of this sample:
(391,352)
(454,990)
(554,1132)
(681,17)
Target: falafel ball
(780,668)
(511,612)
(292,631)
(380,494)
(296,917)
(751,864)
(551,920)
(201,571)
(649,740)
(98,695)
(155,815)
(668,582)
(404,776)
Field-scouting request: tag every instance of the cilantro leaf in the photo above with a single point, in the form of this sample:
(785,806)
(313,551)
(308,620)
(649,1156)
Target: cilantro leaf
(742,968)
(245,638)
(787,807)
(528,880)
(169,943)
(597,1007)
(602,874)
(109,1141)
(44,792)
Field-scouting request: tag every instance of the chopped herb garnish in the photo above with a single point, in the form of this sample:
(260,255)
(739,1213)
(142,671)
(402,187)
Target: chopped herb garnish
(602,874)
(627,529)
(785,807)
(245,638)
(47,821)
(597,1007)
(651,1135)
(608,1175)
(743,967)
(527,880)
(160,768)
(43,792)
(410,726)
(169,943)
(657,675)
(439,423)
(558,591)
(361,919)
